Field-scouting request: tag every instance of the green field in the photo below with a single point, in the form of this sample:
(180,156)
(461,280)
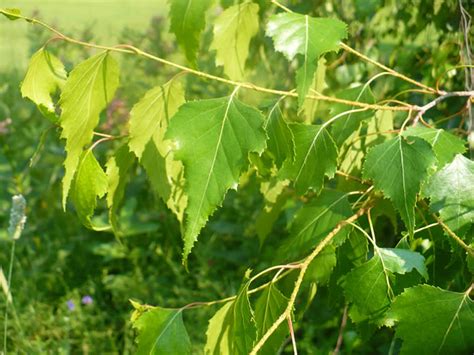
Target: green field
(106,17)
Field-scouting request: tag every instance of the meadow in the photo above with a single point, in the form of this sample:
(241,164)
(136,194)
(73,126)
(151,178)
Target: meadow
(106,18)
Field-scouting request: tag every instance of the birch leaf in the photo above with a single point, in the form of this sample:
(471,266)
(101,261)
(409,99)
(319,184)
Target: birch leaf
(233,30)
(89,88)
(214,153)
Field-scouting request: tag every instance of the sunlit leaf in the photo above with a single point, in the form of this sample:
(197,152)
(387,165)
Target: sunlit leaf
(445,145)
(89,88)
(402,261)
(149,120)
(214,153)
(44,76)
(308,36)
(233,30)
(451,191)
(232,329)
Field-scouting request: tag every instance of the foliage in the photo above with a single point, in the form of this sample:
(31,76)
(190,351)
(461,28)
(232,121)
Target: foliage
(350,194)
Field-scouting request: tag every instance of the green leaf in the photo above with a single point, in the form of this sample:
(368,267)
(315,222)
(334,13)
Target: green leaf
(244,329)
(89,88)
(188,20)
(11,13)
(367,287)
(315,157)
(232,329)
(275,199)
(401,261)
(44,76)
(90,182)
(118,167)
(443,321)
(269,306)
(313,222)
(149,121)
(344,126)
(451,191)
(280,137)
(214,152)
(310,106)
(444,144)
(354,149)
(233,30)
(218,332)
(166,176)
(150,116)
(398,167)
(310,37)
(322,266)
(161,331)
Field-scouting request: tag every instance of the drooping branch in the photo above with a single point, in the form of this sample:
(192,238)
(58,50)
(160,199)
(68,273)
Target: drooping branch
(129,49)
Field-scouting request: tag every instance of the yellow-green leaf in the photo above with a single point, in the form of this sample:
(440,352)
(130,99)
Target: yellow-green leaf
(88,90)
(233,30)
(44,76)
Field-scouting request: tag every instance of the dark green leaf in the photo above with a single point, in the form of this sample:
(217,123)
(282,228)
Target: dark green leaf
(367,287)
(398,167)
(280,137)
(313,222)
(90,182)
(117,176)
(316,157)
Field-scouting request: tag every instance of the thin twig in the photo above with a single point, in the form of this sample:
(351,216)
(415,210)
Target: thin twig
(292,335)
(393,72)
(422,110)
(340,337)
(281,6)
(453,235)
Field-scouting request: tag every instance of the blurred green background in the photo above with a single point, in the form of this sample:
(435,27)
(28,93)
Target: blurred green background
(106,18)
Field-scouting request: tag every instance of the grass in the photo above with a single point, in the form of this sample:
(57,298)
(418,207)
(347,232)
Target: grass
(107,18)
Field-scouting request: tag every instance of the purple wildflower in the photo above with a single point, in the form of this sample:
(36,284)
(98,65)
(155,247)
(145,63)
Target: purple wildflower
(87,300)
(70,305)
